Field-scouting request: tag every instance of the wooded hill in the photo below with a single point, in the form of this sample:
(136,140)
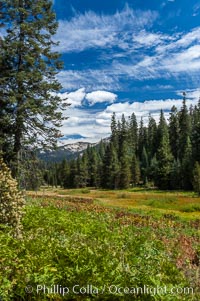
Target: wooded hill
(165,155)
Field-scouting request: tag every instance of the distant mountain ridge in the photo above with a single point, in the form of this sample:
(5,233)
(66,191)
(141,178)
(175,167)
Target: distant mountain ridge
(67,151)
(78,146)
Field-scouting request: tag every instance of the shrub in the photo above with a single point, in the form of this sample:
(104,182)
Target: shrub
(11,200)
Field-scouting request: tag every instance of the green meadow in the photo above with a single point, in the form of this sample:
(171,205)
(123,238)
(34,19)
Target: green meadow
(86,244)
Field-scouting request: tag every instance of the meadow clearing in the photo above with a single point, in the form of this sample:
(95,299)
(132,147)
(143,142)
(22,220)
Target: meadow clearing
(89,244)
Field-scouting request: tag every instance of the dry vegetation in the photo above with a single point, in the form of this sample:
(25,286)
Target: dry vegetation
(181,204)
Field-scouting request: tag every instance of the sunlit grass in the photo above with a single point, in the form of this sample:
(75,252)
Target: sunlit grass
(178,203)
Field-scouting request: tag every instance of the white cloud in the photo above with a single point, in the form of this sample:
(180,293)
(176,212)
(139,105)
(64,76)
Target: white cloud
(191,95)
(185,61)
(173,55)
(100,96)
(143,109)
(180,40)
(157,87)
(74,98)
(92,79)
(148,39)
(163,65)
(85,123)
(146,68)
(91,30)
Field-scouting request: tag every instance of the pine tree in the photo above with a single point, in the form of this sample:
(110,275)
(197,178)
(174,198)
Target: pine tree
(185,128)
(28,83)
(93,177)
(164,156)
(66,177)
(133,133)
(123,135)
(174,132)
(111,168)
(82,177)
(153,169)
(70,180)
(114,168)
(114,132)
(63,170)
(144,166)
(100,169)
(53,175)
(152,136)
(142,138)
(162,129)
(175,175)
(186,166)
(135,170)
(125,172)
(101,149)
(105,171)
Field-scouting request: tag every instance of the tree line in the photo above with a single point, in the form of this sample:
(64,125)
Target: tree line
(164,155)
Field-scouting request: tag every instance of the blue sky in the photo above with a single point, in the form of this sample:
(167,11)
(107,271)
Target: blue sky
(125,56)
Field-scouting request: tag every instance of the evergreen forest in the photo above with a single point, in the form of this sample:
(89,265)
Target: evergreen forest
(165,155)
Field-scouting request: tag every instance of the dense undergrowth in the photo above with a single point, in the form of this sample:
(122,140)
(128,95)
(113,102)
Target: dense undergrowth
(98,253)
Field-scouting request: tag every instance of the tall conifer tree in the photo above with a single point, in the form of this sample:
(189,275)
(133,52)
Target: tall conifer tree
(184,126)
(28,79)
(174,132)
(93,177)
(110,172)
(135,170)
(133,133)
(144,165)
(163,155)
(140,138)
(123,135)
(82,176)
(187,166)
(125,170)
(152,136)
(114,132)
